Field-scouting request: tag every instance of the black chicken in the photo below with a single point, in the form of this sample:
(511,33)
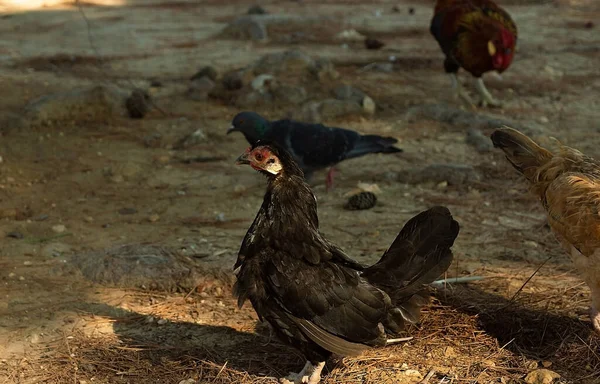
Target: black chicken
(313,146)
(314,296)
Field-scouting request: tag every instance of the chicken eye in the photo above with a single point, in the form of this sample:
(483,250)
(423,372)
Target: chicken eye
(258,157)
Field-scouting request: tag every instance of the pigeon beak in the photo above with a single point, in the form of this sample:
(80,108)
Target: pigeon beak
(243,158)
(231,129)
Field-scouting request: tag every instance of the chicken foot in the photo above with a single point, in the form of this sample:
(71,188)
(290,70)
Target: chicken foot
(310,374)
(486,97)
(459,90)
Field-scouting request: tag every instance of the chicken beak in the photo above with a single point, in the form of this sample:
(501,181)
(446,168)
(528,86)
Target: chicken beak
(231,129)
(491,48)
(243,158)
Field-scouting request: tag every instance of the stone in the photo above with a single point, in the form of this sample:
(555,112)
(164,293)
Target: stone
(235,80)
(263,83)
(324,70)
(541,376)
(207,71)
(59,228)
(292,61)
(256,10)
(348,92)
(99,103)
(191,140)
(200,89)
(368,105)
(247,27)
(332,108)
(290,94)
(138,104)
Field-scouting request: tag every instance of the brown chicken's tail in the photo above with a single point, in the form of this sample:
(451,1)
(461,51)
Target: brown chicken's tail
(522,152)
(418,256)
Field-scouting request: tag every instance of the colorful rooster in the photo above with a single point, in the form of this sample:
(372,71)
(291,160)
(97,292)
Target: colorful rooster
(476,35)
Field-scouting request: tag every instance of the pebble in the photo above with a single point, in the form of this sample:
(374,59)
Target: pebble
(162,321)
(138,104)
(27,262)
(541,376)
(371,43)
(15,235)
(21,278)
(200,88)
(544,120)
(11,275)
(187,381)
(88,219)
(127,211)
(59,228)
(154,218)
(369,105)
(413,373)
(207,71)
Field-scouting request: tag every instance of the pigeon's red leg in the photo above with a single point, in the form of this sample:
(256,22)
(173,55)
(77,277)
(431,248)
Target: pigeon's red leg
(329,179)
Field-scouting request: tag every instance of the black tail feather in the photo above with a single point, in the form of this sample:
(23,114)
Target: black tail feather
(418,256)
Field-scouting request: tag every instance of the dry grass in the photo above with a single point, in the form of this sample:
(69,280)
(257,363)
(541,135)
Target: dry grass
(467,335)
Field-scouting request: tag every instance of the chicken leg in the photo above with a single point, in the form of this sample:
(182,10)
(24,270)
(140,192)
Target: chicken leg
(486,97)
(459,90)
(310,374)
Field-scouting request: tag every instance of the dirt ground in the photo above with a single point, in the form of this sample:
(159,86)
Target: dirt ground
(74,192)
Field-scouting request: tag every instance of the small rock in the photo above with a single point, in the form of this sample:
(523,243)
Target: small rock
(478,140)
(290,94)
(253,99)
(11,275)
(379,67)
(324,69)
(59,228)
(127,211)
(233,81)
(207,71)
(533,244)
(138,104)
(413,373)
(263,83)
(362,200)
(162,321)
(200,88)
(27,263)
(541,376)
(544,120)
(371,43)
(348,92)
(350,35)
(98,103)
(589,25)
(411,11)
(153,218)
(256,10)
(15,235)
(190,140)
(247,27)
(546,364)
(368,105)
(292,61)
(332,108)
(21,278)
(88,219)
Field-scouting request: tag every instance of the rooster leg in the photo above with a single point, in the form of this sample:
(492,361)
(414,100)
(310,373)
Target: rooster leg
(459,91)
(310,374)
(486,97)
(329,179)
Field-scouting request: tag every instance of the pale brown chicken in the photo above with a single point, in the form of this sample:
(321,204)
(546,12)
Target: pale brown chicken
(568,185)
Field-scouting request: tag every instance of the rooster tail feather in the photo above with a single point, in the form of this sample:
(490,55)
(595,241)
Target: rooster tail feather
(522,152)
(418,256)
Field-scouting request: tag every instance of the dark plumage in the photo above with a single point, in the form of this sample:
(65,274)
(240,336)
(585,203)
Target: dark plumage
(313,146)
(314,296)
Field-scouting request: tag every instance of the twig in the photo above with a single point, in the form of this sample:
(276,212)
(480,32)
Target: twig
(529,279)
(458,280)
(399,340)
